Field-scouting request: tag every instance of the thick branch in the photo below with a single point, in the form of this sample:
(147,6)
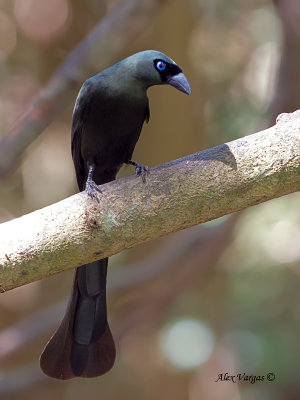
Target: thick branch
(182,193)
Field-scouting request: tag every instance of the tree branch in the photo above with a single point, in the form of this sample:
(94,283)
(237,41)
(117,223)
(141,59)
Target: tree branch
(177,195)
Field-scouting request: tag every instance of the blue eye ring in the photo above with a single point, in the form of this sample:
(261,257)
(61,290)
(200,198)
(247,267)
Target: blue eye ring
(161,65)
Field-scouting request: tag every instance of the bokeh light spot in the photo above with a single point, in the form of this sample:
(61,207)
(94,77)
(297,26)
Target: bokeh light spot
(187,343)
(282,243)
(41,20)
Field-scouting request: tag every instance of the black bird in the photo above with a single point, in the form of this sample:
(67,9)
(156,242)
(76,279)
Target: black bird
(109,113)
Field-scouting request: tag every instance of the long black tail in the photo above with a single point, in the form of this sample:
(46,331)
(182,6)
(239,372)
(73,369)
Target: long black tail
(83,344)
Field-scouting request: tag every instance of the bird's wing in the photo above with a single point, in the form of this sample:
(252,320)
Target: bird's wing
(80,114)
(144,118)
(147,113)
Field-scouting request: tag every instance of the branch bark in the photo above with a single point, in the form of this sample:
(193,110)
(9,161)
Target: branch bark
(177,195)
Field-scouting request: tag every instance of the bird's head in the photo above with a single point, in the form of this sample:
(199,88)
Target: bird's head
(152,67)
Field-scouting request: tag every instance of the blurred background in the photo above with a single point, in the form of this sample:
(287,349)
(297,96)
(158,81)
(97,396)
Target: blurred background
(220,297)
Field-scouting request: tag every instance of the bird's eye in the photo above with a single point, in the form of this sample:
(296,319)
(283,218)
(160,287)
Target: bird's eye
(161,65)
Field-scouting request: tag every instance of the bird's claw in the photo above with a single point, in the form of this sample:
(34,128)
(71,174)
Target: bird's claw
(91,188)
(142,170)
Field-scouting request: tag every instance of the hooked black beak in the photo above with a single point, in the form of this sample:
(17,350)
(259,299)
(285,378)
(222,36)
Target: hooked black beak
(180,82)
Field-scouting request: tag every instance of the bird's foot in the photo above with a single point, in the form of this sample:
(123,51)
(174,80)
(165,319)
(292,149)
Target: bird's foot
(91,189)
(140,170)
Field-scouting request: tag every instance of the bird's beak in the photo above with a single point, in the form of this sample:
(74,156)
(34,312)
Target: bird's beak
(180,82)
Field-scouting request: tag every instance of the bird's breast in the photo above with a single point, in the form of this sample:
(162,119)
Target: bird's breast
(111,130)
